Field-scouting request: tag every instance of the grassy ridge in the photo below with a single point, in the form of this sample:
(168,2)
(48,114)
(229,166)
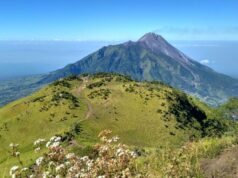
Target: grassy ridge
(143,114)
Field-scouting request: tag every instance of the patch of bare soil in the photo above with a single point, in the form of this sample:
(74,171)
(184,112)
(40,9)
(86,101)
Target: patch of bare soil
(223,166)
(79,90)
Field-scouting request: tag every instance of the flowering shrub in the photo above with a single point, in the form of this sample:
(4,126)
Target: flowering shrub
(111,159)
(180,162)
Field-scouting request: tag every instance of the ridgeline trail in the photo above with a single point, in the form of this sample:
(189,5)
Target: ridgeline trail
(89,106)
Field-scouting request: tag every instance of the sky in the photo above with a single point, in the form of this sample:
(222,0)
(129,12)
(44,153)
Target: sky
(44,35)
(113,20)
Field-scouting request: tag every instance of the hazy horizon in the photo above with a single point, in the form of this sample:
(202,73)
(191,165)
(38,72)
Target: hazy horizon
(44,56)
(42,36)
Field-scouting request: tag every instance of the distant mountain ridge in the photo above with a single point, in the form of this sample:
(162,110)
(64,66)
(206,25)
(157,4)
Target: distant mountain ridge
(152,58)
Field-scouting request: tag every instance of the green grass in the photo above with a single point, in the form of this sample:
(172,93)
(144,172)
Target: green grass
(140,113)
(26,121)
(183,161)
(132,117)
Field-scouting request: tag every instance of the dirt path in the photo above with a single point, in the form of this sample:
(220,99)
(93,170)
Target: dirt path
(79,90)
(223,166)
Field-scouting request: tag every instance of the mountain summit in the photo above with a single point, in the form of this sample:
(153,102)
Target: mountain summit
(159,45)
(152,58)
(151,37)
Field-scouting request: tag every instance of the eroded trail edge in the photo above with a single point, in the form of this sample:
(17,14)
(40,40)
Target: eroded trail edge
(223,166)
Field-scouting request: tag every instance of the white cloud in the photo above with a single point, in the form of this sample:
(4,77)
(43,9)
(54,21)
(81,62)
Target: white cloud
(205,62)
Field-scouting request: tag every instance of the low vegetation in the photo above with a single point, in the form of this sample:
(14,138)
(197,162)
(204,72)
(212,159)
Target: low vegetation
(102,93)
(108,159)
(112,159)
(157,122)
(185,160)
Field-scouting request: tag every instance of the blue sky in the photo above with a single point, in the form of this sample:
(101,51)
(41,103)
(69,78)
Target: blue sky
(118,19)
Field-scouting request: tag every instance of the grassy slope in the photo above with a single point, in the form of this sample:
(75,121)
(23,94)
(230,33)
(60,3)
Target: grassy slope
(22,121)
(129,110)
(128,115)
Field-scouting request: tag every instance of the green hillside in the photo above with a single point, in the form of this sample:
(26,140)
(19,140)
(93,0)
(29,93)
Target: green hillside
(144,115)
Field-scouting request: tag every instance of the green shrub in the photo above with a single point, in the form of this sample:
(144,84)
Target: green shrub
(102,93)
(96,84)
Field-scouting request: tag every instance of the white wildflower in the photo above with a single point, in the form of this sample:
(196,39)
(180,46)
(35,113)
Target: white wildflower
(52,139)
(72,169)
(51,164)
(17,154)
(55,144)
(103,138)
(89,164)
(119,152)
(115,138)
(24,169)
(48,144)
(104,149)
(133,154)
(40,141)
(12,145)
(39,161)
(13,170)
(109,141)
(57,139)
(85,158)
(81,175)
(37,149)
(67,163)
(78,175)
(45,174)
(60,168)
(101,176)
(70,156)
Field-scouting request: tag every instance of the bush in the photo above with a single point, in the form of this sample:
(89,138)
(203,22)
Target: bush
(62,82)
(110,160)
(96,84)
(130,89)
(40,98)
(67,96)
(102,93)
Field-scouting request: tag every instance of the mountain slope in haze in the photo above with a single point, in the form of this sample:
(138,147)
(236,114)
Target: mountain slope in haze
(79,108)
(152,58)
(229,110)
(13,89)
